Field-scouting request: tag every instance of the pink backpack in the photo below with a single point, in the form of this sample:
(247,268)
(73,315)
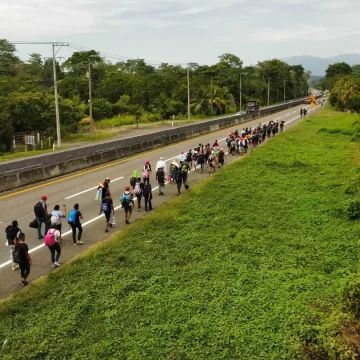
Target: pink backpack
(49,239)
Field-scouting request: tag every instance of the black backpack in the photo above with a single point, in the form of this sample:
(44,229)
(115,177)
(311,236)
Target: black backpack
(39,210)
(133,181)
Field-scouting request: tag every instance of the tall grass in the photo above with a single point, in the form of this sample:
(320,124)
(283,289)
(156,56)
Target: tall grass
(252,264)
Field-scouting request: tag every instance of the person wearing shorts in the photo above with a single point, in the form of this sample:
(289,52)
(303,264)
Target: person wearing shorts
(107,207)
(128,206)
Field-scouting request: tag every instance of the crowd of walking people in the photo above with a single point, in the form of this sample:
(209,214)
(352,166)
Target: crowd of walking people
(139,191)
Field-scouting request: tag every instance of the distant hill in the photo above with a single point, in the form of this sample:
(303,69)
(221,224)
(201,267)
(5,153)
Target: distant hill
(318,65)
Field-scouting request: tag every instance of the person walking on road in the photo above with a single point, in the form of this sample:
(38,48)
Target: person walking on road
(148,196)
(305,112)
(54,242)
(201,161)
(74,221)
(174,166)
(107,207)
(160,178)
(105,187)
(138,191)
(161,164)
(146,172)
(12,235)
(133,178)
(57,215)
(127,203)
(41,213)
(185,169)
(221,157)
(179,180)
(301,112)
(23,258)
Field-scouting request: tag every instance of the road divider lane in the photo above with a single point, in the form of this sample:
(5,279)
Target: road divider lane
(93,188)
(69,232)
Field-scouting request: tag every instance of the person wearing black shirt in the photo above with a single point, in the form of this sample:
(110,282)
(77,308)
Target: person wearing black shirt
(106,207)
(24,259)
(147,193)
(105,188)
(12,234)
(77,225)
(160,177)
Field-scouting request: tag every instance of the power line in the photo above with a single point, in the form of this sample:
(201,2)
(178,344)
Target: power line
(84,48)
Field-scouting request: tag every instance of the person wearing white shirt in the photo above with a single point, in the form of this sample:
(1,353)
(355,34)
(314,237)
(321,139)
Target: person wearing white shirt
(55,250)
(161,164)
(56,217)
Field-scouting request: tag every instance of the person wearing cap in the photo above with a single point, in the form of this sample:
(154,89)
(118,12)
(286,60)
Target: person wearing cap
(127,203)
(161,164)
(41,213)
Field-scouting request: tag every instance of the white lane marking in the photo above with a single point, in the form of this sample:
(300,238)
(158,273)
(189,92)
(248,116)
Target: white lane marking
(93,188)
(118,207)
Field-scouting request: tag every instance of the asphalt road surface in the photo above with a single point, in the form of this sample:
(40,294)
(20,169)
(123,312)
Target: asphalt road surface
(81,188)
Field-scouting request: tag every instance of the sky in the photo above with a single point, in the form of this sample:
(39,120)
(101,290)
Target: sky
(182,31)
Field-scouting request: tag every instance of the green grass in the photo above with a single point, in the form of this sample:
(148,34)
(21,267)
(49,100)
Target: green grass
(23,154)
(85,137)
(255,263)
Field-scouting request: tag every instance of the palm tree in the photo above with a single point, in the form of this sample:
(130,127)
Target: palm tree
(347,90)
(222,99)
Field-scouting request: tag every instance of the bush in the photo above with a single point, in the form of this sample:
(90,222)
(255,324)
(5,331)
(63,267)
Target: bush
(102,109)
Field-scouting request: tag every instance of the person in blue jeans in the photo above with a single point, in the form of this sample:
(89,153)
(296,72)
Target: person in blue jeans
(40,210)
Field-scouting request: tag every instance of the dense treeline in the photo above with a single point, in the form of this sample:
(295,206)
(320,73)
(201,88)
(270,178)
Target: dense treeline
(131,87)
(344,83)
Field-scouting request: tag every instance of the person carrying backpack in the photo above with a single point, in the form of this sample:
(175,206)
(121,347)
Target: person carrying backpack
(12,235)
(146,172)
(147,193)
(74,221)
(107,207)
(212,161)
(178,179)
(160,177)
(57,215)
(40,211)
(54,242)
(105,187)
(133,178)
(138,191)
(174,166)
(221,157)
(127,203)
(201,161)
(22,257)
(184,171)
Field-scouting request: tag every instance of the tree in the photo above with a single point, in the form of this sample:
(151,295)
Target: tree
(6,132)
(356,70)
(347,91)
(339,68)
(8,60)
(354,103)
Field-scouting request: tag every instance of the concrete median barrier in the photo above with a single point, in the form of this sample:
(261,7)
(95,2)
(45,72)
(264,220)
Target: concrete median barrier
(28,171)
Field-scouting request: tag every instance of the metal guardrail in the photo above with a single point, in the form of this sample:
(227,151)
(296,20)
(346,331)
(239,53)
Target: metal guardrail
(138,143)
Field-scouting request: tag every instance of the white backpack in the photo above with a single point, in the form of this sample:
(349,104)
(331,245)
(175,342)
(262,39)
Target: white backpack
(137,189)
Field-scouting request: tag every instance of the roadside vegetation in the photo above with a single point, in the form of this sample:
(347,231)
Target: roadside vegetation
(259,262)
(131,91)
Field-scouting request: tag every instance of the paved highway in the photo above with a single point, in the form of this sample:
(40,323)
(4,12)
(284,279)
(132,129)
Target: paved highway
(81,187)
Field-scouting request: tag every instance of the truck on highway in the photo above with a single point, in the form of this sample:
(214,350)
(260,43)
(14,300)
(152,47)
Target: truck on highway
(252,106)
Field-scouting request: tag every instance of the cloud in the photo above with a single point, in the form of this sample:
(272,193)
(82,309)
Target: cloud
(198,30)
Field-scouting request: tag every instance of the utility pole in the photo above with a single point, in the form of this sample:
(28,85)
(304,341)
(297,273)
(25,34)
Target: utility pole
(58,131)
(188,85)
(268,97)
(90,102)
(211,87)
(285,90)
(240,100)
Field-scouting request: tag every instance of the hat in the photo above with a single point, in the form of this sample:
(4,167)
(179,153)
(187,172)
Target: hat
(127,188)
(147,161)
(44,197)
(161,158)
(107,178)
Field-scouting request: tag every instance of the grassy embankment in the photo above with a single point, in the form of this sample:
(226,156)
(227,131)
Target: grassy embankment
(259,262)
